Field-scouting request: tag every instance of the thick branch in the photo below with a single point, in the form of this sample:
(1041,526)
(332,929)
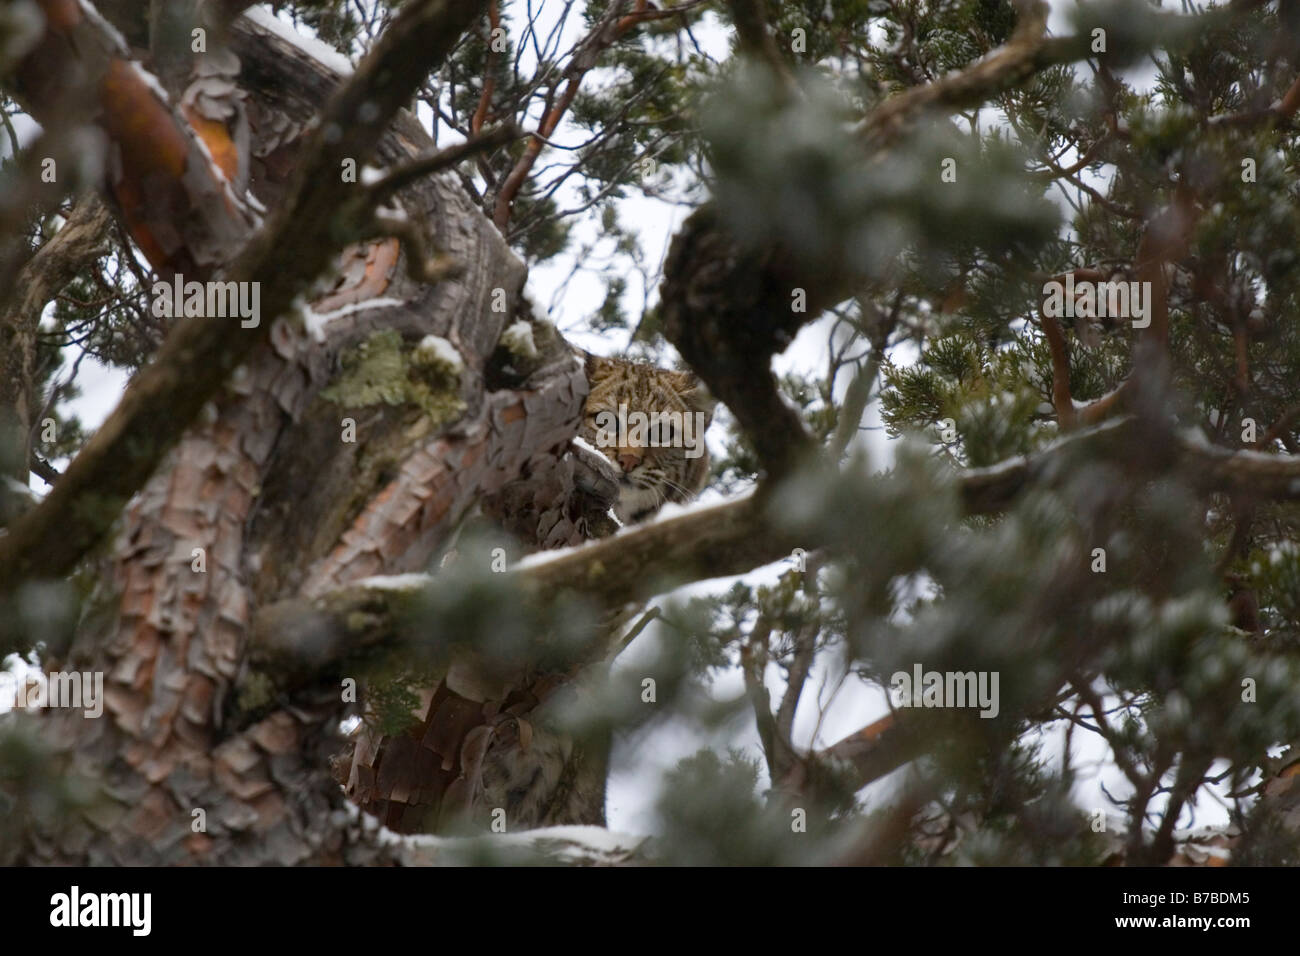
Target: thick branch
(725,539)
(727,308)
(1026,52)
(198,356)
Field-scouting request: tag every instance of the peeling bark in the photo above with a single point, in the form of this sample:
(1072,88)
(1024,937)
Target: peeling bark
(227,522)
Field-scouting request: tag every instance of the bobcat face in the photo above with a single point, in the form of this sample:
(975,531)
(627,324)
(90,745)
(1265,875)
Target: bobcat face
(649,422)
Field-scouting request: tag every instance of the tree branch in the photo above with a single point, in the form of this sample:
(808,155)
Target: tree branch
(1026,52)
(718,541)
(726,307)
(421,166)
(611,28)
(289,252)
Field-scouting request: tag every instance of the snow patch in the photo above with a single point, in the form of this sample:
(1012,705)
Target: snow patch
(567,844)
(397,582)
(151,81)
(95,17)
(435,350)
(316,321)
(672,510)
(668,512)
(394,211)
(580,442)
(538,558)
(518,338)
(317,49)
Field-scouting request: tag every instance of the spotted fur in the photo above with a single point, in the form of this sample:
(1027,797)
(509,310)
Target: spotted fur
(648,476)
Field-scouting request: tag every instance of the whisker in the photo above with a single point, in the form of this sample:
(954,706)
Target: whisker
(680,488)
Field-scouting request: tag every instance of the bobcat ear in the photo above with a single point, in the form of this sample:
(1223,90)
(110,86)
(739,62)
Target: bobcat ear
(594,365)
(695,395)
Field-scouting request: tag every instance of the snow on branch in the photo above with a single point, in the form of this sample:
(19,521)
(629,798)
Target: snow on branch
(710,541)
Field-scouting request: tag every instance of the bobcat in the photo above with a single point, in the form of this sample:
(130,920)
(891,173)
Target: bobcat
(649,423)
(637,469)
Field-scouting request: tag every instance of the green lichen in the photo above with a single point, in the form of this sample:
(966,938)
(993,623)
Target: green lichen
(373,372)
(255,692)
(385,370)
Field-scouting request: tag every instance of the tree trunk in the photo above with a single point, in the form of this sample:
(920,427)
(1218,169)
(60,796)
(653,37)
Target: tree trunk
(269,497)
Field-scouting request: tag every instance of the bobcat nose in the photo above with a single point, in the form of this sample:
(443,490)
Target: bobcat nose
(628,461)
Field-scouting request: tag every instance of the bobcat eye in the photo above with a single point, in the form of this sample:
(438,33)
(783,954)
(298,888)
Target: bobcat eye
(661,434)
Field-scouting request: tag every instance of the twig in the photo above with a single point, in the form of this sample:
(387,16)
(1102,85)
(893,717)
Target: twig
(422,166)
(635,631)
(611,27)
(489,81)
